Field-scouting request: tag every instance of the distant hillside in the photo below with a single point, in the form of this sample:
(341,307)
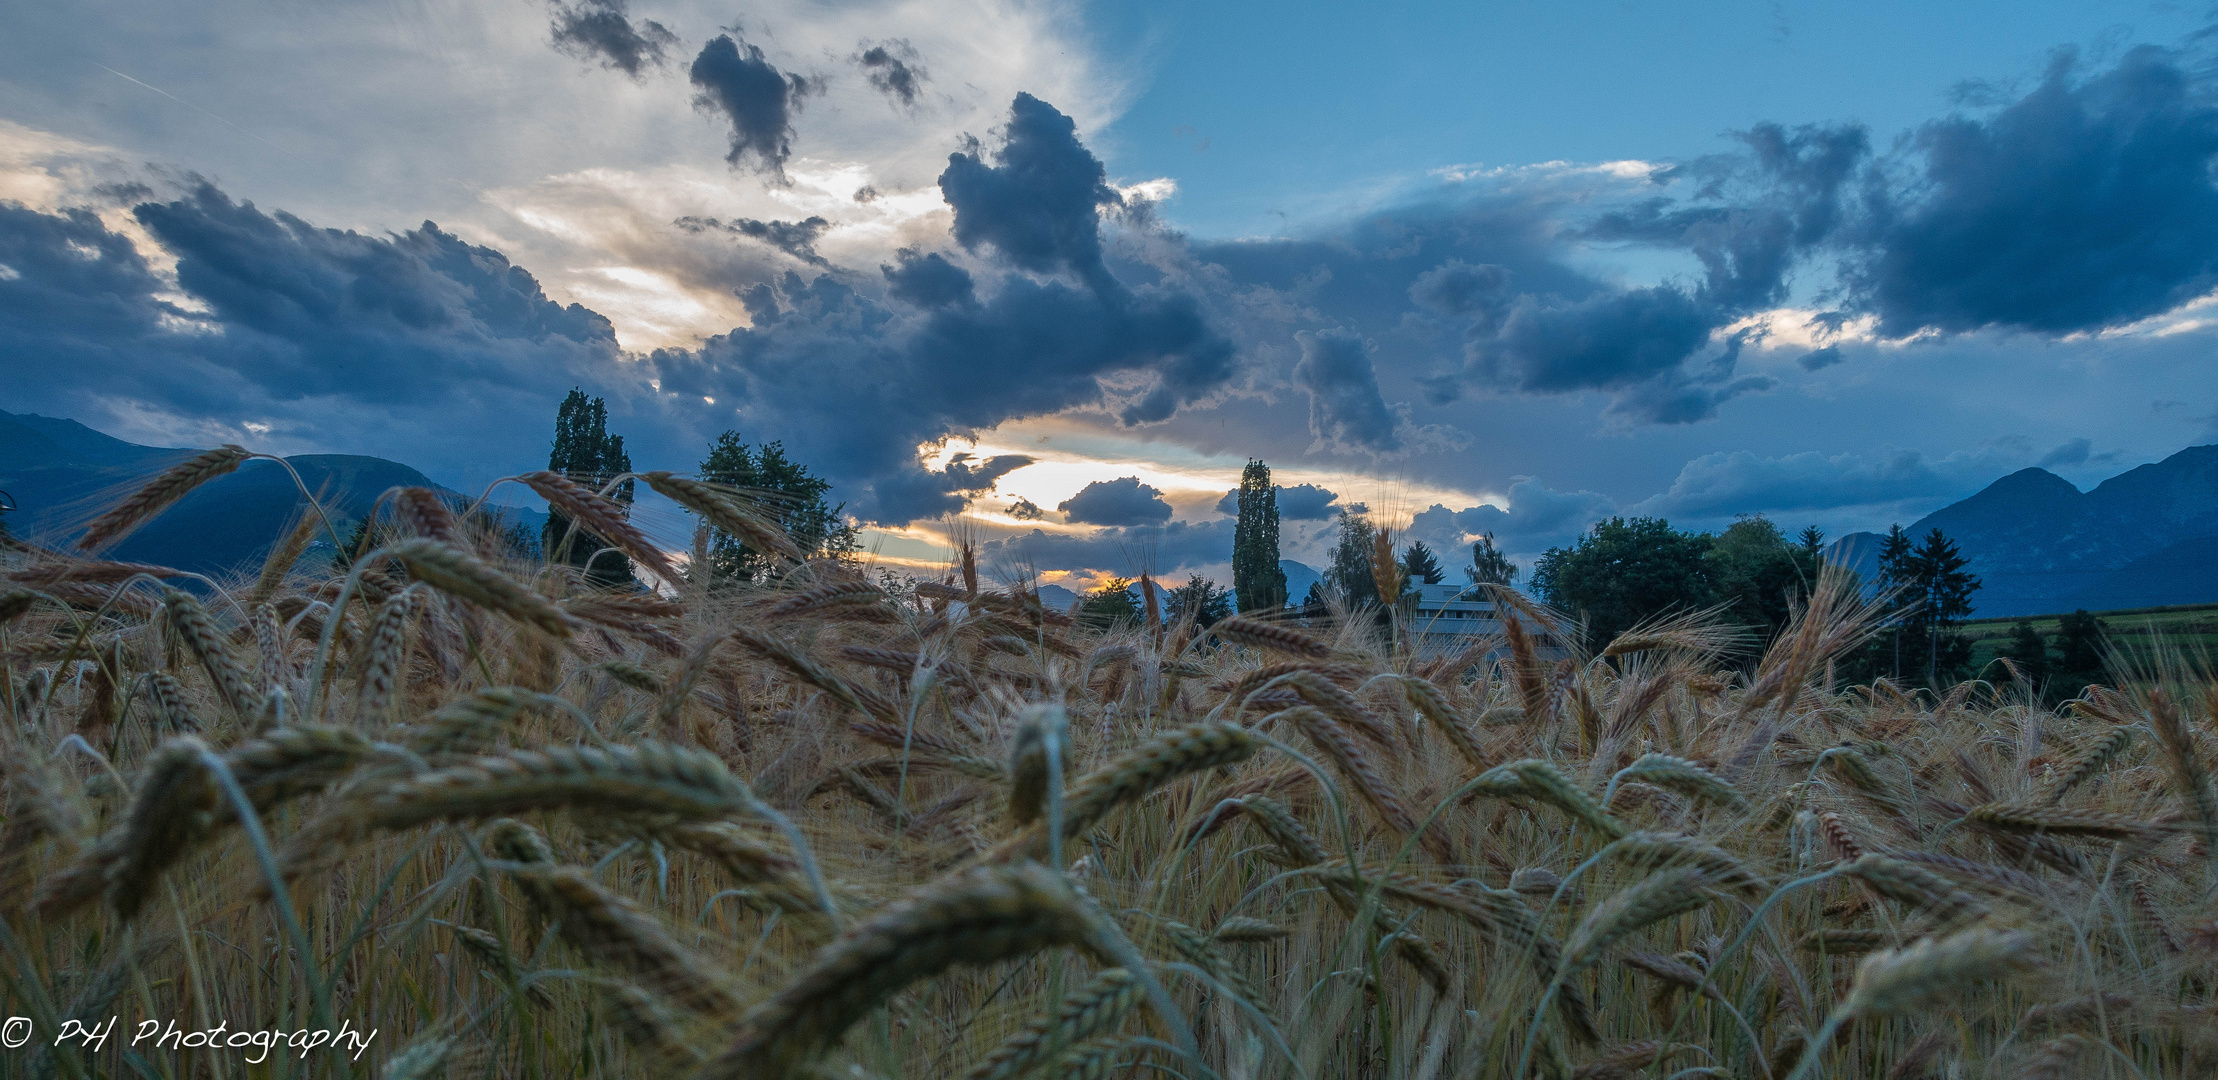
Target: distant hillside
(61,473)
(2142,538)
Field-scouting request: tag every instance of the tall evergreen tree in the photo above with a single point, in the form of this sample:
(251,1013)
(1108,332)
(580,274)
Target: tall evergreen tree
(1943,594)
(1256,577)
(1812,540)
(585,452)
(1419,564)
(787,492)
(1896,575)
(1488,565)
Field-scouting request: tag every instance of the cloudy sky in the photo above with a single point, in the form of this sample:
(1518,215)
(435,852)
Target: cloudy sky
(1050,273)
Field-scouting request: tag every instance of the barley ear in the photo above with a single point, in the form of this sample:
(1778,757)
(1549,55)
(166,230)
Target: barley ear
(980,916)
(157,494)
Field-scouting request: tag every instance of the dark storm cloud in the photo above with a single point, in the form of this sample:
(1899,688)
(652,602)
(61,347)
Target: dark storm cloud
(1038,203)
(1792,182)
(1301,502)
(928,281)
(1639,345)
(857,384)
(1820,359)
(1345,408)
(602,31)
(1750,219)
(892,67)
(1026,510)
(1120,502)
(309,311)
(320,333)
(2087,203)
(795,238)
(735,81)
(1038,206)
(425,327)
(1507,317)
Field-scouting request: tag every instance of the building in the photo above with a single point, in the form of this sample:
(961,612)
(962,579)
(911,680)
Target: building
(1451,618)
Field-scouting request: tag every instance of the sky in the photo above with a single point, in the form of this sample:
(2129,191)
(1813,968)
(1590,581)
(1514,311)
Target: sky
(1046,275)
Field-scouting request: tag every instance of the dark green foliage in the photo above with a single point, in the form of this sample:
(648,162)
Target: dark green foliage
(1111,604)
(1931,594)
(2028,652)
(1758,573)
(585,452)
(1202,597)
(1625,571)
(1256,577)
(787,491)
(1945,591)
(1419,564)
(1349,574)
(1488,565)
(2077,659)
(1812,540)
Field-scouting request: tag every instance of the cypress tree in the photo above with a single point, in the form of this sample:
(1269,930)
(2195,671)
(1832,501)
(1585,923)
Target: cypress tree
(1256,577)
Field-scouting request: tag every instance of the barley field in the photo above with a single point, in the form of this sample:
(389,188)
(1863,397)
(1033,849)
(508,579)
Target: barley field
(518,827)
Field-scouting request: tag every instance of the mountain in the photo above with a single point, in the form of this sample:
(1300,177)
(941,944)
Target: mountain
(61,473)
(2143,538)
(1299,577)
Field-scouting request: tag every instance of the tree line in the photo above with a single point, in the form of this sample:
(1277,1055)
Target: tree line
(1618,574)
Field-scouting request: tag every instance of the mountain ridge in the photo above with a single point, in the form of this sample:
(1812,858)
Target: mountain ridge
(2040,545)
(61,473)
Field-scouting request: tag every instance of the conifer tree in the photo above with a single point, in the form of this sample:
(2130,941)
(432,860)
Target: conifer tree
(1895,574)
(1257,579)
(1813,543)
(1947,591)
(1419,564)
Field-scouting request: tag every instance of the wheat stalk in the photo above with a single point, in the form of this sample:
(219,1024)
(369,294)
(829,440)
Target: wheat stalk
(2088,763)
(650,778)
(157,494)
(2026,818)
(1685,777)
(612,930)
(600,518)
(727,511)
(1090,1010)
(1252,631)
(1144,768)
(208,645)
(980,916)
